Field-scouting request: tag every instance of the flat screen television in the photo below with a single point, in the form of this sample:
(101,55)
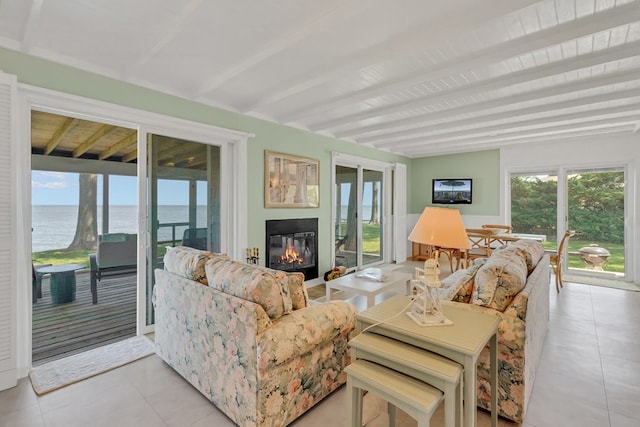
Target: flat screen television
(448,191)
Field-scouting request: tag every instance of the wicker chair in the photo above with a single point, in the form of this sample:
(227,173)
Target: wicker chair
(501,228)
(556,258)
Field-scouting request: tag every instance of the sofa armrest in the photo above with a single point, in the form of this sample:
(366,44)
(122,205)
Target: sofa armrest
(303,330)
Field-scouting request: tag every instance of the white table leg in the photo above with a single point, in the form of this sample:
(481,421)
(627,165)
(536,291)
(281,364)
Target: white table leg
(493,349)
(371,301)
(327,293)
(469,392)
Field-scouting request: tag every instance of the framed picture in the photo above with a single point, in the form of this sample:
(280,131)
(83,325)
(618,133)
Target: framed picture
(290,181)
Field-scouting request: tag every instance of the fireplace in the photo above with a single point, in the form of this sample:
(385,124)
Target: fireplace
(292,246)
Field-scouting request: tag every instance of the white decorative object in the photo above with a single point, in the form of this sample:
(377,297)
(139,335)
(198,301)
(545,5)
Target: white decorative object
(426,309)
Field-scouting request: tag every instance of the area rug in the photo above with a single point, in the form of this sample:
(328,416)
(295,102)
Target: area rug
(59,373)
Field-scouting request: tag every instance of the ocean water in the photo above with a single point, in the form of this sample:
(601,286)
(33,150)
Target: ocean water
(54,226)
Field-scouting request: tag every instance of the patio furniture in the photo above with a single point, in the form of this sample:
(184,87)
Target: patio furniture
(63,281)
(36,281)
(195,238)
(116,255)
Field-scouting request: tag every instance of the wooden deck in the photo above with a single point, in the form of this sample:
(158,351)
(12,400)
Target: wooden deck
(60,330)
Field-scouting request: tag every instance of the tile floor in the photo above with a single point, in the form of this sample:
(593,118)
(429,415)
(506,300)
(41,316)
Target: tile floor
(589,375)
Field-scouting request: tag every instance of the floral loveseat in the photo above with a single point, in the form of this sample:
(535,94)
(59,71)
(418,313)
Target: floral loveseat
(245,337)
(513,284)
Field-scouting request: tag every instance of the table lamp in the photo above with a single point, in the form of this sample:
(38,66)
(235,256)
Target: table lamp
(438,228)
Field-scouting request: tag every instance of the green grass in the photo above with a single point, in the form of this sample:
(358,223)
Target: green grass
(615,264)
(62,256)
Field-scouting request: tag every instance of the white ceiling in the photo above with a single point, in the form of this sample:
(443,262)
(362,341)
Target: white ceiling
(413,77)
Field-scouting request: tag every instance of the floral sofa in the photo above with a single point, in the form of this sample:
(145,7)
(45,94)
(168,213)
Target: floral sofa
(513,284)
(246,338)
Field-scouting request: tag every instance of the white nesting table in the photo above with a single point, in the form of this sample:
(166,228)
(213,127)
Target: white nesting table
(369,287)
(461,342)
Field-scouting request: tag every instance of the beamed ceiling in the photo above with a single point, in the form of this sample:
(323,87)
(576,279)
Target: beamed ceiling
(413,77)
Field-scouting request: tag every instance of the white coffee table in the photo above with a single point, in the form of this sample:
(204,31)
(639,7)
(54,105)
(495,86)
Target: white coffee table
(369,287)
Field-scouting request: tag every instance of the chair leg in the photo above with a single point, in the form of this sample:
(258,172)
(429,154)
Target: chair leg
(94,287)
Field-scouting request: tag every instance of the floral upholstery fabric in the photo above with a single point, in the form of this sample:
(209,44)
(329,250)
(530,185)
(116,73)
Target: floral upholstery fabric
(259,371)
(459,285)
(298,291)
(188,262)
(500,279)
(269,288)
(521,331)
(530,250)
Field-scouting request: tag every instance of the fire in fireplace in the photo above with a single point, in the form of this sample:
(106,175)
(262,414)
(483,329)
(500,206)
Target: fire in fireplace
(292,246)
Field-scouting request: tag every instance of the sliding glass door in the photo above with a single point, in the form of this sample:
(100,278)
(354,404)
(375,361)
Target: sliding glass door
(359,212)
(183,200)
(590,201)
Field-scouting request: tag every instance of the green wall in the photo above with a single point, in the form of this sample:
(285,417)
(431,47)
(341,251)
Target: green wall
(269,136)
(482,166)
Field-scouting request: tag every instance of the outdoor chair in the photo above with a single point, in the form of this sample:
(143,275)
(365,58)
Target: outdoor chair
(195,238)
(116,255)
(36,281)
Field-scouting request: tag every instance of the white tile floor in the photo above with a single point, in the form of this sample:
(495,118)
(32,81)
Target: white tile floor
(589,375)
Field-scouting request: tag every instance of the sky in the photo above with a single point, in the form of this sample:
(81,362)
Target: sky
(61,188)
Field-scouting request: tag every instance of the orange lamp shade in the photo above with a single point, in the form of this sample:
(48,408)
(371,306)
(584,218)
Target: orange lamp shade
(442,227)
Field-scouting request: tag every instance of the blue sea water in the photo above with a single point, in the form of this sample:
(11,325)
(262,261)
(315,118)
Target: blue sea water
(54,225)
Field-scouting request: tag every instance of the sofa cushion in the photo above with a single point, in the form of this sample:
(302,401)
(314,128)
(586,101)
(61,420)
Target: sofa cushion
(188,262)
(460,284)
(297,291)
(269,288)
(530,250)
(499,280)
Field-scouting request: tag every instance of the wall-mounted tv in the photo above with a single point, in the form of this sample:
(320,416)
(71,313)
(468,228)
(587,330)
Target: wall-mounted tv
(449,191)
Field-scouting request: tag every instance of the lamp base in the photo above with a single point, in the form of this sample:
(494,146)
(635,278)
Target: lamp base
(429,320)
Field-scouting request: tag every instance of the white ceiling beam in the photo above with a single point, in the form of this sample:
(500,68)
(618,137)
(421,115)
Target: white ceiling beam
(427,34)
(457,123)
(550,115)
(330,13)
(570,30)
(35,11)
(493,143)
(176,27)
(556,90)
(499,82)
(548,120)
(505,134)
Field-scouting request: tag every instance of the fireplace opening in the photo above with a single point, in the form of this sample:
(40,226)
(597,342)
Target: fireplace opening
(292,246)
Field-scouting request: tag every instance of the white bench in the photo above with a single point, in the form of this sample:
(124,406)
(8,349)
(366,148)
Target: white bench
(417,399)
(433,369)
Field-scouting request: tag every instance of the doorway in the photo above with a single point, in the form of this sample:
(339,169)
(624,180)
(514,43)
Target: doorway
(361,208)
(82,176)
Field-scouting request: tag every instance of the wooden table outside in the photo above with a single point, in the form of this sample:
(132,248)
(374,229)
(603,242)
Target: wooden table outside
(461,342)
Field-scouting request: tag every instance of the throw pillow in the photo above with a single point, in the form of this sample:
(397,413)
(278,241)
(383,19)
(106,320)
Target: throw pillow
(266,287)
(530,250)
(500,279)
(188,262)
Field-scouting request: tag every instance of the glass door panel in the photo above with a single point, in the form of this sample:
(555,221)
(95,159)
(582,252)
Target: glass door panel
(346,227)
(534,205)
(183,200)
(596,211)
(372,216)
